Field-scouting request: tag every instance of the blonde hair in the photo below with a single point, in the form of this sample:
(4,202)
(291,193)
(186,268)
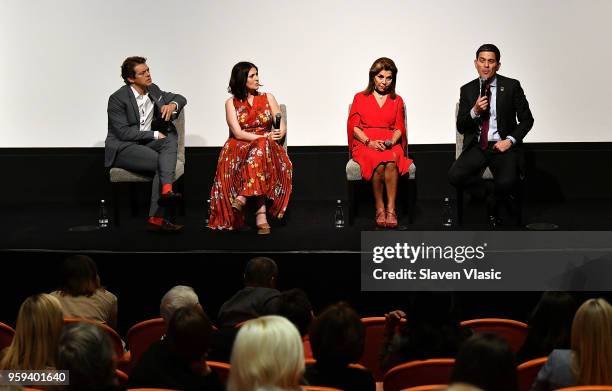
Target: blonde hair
(39,324)
(268,352)
(592,342)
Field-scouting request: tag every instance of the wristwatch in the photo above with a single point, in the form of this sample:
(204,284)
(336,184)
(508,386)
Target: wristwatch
(366,142)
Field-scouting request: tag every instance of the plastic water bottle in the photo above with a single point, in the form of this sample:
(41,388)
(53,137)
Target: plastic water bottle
(339,216)
(103,216)
(447,213)
(207,213)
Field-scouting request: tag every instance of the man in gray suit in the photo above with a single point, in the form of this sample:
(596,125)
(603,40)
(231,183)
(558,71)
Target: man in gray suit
(141,136)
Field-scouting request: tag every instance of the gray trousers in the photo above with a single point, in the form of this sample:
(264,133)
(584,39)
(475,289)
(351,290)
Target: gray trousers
(158,156)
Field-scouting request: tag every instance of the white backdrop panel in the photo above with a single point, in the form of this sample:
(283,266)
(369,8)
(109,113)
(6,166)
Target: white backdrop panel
(60,62)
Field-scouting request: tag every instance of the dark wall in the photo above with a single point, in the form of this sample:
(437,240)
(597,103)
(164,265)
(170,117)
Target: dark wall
(555,171)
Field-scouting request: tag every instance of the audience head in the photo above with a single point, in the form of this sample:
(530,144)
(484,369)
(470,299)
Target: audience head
(592,342)
(551,320)
(267,353)
(382,64)
(261,272)
(239,78)
(486,361)
(128,68)
(79,276)
(87,352)
(295,306)
(190,333)
(337,336)
(178,297)
(39,324)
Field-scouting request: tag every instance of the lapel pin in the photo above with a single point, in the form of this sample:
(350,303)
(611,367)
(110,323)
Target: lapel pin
(501,88)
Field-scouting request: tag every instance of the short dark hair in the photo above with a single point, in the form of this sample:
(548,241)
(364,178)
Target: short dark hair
(79,276)
(337,336)
(486,361)
(127,68)
(489,47)
(238,79)
(86,351)
(295,306)
(259,271)
(190,332)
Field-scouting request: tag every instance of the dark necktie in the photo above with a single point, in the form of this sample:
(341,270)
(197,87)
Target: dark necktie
(484,129)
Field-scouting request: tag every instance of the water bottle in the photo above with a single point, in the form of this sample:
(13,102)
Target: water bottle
(103,216)
(207,213)
(339,217)
(447,213)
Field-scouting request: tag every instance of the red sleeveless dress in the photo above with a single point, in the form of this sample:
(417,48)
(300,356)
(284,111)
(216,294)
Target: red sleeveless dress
(250,168)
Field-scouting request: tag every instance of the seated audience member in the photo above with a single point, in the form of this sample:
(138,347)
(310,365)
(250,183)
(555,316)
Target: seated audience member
(486,361)
(431,330)
(589,362)
(337,337)
(258,297)
(295,306)
(81,294)
(177,297)
(178,361)
(87,353)
(39,324)
(550,326)
(267,355)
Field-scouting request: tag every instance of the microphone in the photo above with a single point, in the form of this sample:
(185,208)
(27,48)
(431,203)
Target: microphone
(277,121)
(483,86)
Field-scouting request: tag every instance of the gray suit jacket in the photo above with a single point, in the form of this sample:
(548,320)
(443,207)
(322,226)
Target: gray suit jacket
(556,373)
(124,119)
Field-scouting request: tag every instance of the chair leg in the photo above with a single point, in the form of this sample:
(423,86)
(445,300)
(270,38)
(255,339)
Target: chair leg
(133,200)
(459,206)
(115,191)
(181,189)
(351,202)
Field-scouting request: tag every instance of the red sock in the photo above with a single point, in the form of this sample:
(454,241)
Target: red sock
(166,188)
(156,220)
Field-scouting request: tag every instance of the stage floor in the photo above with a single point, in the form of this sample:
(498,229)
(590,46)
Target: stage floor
(309,228)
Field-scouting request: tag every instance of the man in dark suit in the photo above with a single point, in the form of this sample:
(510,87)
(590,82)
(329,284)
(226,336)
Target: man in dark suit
(494,117)
(141,136)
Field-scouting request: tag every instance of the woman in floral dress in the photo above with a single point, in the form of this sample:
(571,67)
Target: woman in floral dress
(252,167)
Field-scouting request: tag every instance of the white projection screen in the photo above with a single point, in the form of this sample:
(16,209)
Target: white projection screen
(60,61)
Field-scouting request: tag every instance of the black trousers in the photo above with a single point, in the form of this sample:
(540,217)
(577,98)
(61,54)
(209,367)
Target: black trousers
(466,171)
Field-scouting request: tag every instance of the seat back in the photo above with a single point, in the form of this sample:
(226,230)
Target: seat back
(586,388)
(114,337)
(374,334)
(142,335)
(513,331)
(284,112)
(221,368)
(418,373)
(319,388)
(179,123)
(528,371)
(6,335)
(429,387)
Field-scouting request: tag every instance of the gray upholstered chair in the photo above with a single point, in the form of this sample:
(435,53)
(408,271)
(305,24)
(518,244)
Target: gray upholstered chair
(486,174)
(353,177)
(121,175)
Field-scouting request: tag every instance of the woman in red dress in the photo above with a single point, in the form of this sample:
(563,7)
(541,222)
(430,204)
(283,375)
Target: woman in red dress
(377,137)
(252,164)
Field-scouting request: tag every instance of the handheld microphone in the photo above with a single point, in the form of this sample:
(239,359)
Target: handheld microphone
(483,86)
(277,121)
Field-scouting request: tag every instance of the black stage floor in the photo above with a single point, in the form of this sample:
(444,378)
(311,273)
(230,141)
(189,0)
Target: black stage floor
(309,228)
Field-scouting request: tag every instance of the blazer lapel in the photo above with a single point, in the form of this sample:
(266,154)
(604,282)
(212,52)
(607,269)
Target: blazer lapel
(500,96)
(132,100)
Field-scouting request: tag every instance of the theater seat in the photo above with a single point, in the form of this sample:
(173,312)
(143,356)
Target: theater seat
(6,335)
(528,371)
(513,331)
(418,373)
(142,335)
(221,368)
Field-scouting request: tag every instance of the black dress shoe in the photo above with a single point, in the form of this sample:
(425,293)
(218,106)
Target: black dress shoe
(494,222)
(165,227)
(168,199)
